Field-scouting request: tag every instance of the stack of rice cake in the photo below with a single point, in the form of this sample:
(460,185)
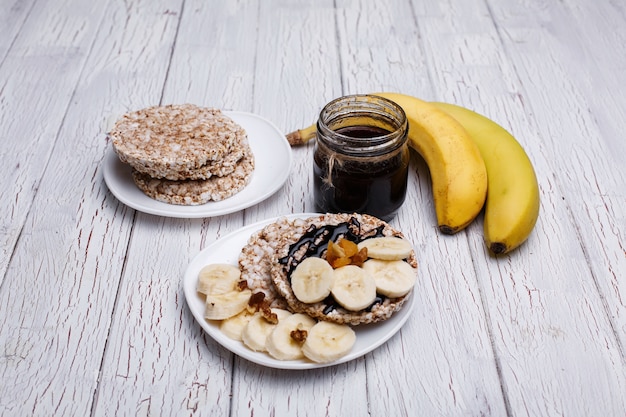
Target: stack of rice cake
(184,154)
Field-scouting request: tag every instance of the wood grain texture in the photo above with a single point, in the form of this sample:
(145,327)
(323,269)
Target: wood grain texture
(595,196)
(453,374)
(12,18)
(32,90)
(535,308)
(93,319)
(300,82)
(158,360)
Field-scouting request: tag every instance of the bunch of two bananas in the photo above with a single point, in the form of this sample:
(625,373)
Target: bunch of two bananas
(475,164)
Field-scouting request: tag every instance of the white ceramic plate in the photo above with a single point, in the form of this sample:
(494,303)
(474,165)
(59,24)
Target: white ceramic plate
(226,250)
(273,161)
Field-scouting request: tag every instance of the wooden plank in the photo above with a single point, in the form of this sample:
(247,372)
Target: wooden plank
(291,84)
(50,42)
(13,14)
(451,370)
(543,313)
(297,72)
(589,116)
(92,315)
(159,360)
(61,287)
(190,373)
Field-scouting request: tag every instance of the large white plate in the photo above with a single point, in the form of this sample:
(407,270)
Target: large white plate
(226,250)
(273,161)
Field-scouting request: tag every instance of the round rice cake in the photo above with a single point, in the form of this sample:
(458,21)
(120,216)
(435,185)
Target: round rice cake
(172,140)
(255,259)
(360,226)
(196,192)
(220,168)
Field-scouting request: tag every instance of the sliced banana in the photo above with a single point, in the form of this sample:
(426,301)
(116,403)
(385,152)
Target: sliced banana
(327,342)
(312,279)
(255,333)
(393,278)
(223,306)
(388,248)
(218,279)
(353,288)
(281,344)
(233,326)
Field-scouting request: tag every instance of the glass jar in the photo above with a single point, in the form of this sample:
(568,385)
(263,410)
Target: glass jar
(361,157)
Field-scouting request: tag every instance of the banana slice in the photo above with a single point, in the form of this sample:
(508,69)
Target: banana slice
(285,341)
(233,326)
(327,342)
(393,278)
(312,279)
(388,248)
(218,279)
(226,305)
(353,288)
(255,333)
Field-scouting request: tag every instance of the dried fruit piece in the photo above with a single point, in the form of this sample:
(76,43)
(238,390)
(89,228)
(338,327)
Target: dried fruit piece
(345,252)
(349,247)
(334,252)
(360,257)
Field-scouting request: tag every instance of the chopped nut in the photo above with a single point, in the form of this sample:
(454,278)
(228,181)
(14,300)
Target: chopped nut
(299,335)
(269,316)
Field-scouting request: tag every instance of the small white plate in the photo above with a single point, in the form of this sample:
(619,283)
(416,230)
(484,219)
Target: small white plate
(226,250)
(273,161)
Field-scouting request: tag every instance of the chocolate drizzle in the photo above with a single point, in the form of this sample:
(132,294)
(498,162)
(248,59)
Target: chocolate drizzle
(316,239)
(330,304)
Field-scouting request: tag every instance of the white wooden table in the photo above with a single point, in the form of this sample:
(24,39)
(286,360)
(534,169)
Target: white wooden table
(93,320)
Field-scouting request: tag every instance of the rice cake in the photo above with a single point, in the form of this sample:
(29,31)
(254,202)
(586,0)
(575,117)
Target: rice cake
(169,141)
(196,192)
(255,259)
(261,266)
(361,226)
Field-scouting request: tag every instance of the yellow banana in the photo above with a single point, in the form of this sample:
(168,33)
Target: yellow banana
(458,173)
(512,205)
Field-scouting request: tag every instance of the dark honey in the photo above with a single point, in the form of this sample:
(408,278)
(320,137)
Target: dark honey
(376,188)
(361,166)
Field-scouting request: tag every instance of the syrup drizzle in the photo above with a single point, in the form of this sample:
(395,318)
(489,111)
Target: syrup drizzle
(316,239)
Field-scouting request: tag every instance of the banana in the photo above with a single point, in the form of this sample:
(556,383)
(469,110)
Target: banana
(327,342)
(513,202)
(233,326)
(254,334)
(353,288)
(312,279)
(387,248)
(218,278)
(457,170)
(225,305)
(285,341)
(393,278)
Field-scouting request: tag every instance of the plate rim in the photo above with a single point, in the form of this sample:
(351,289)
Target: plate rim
(393,325)
(112,164)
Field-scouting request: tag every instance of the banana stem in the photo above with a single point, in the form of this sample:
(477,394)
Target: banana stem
(301,136)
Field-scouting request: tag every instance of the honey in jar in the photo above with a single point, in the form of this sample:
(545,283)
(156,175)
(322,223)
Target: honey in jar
(361,157)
